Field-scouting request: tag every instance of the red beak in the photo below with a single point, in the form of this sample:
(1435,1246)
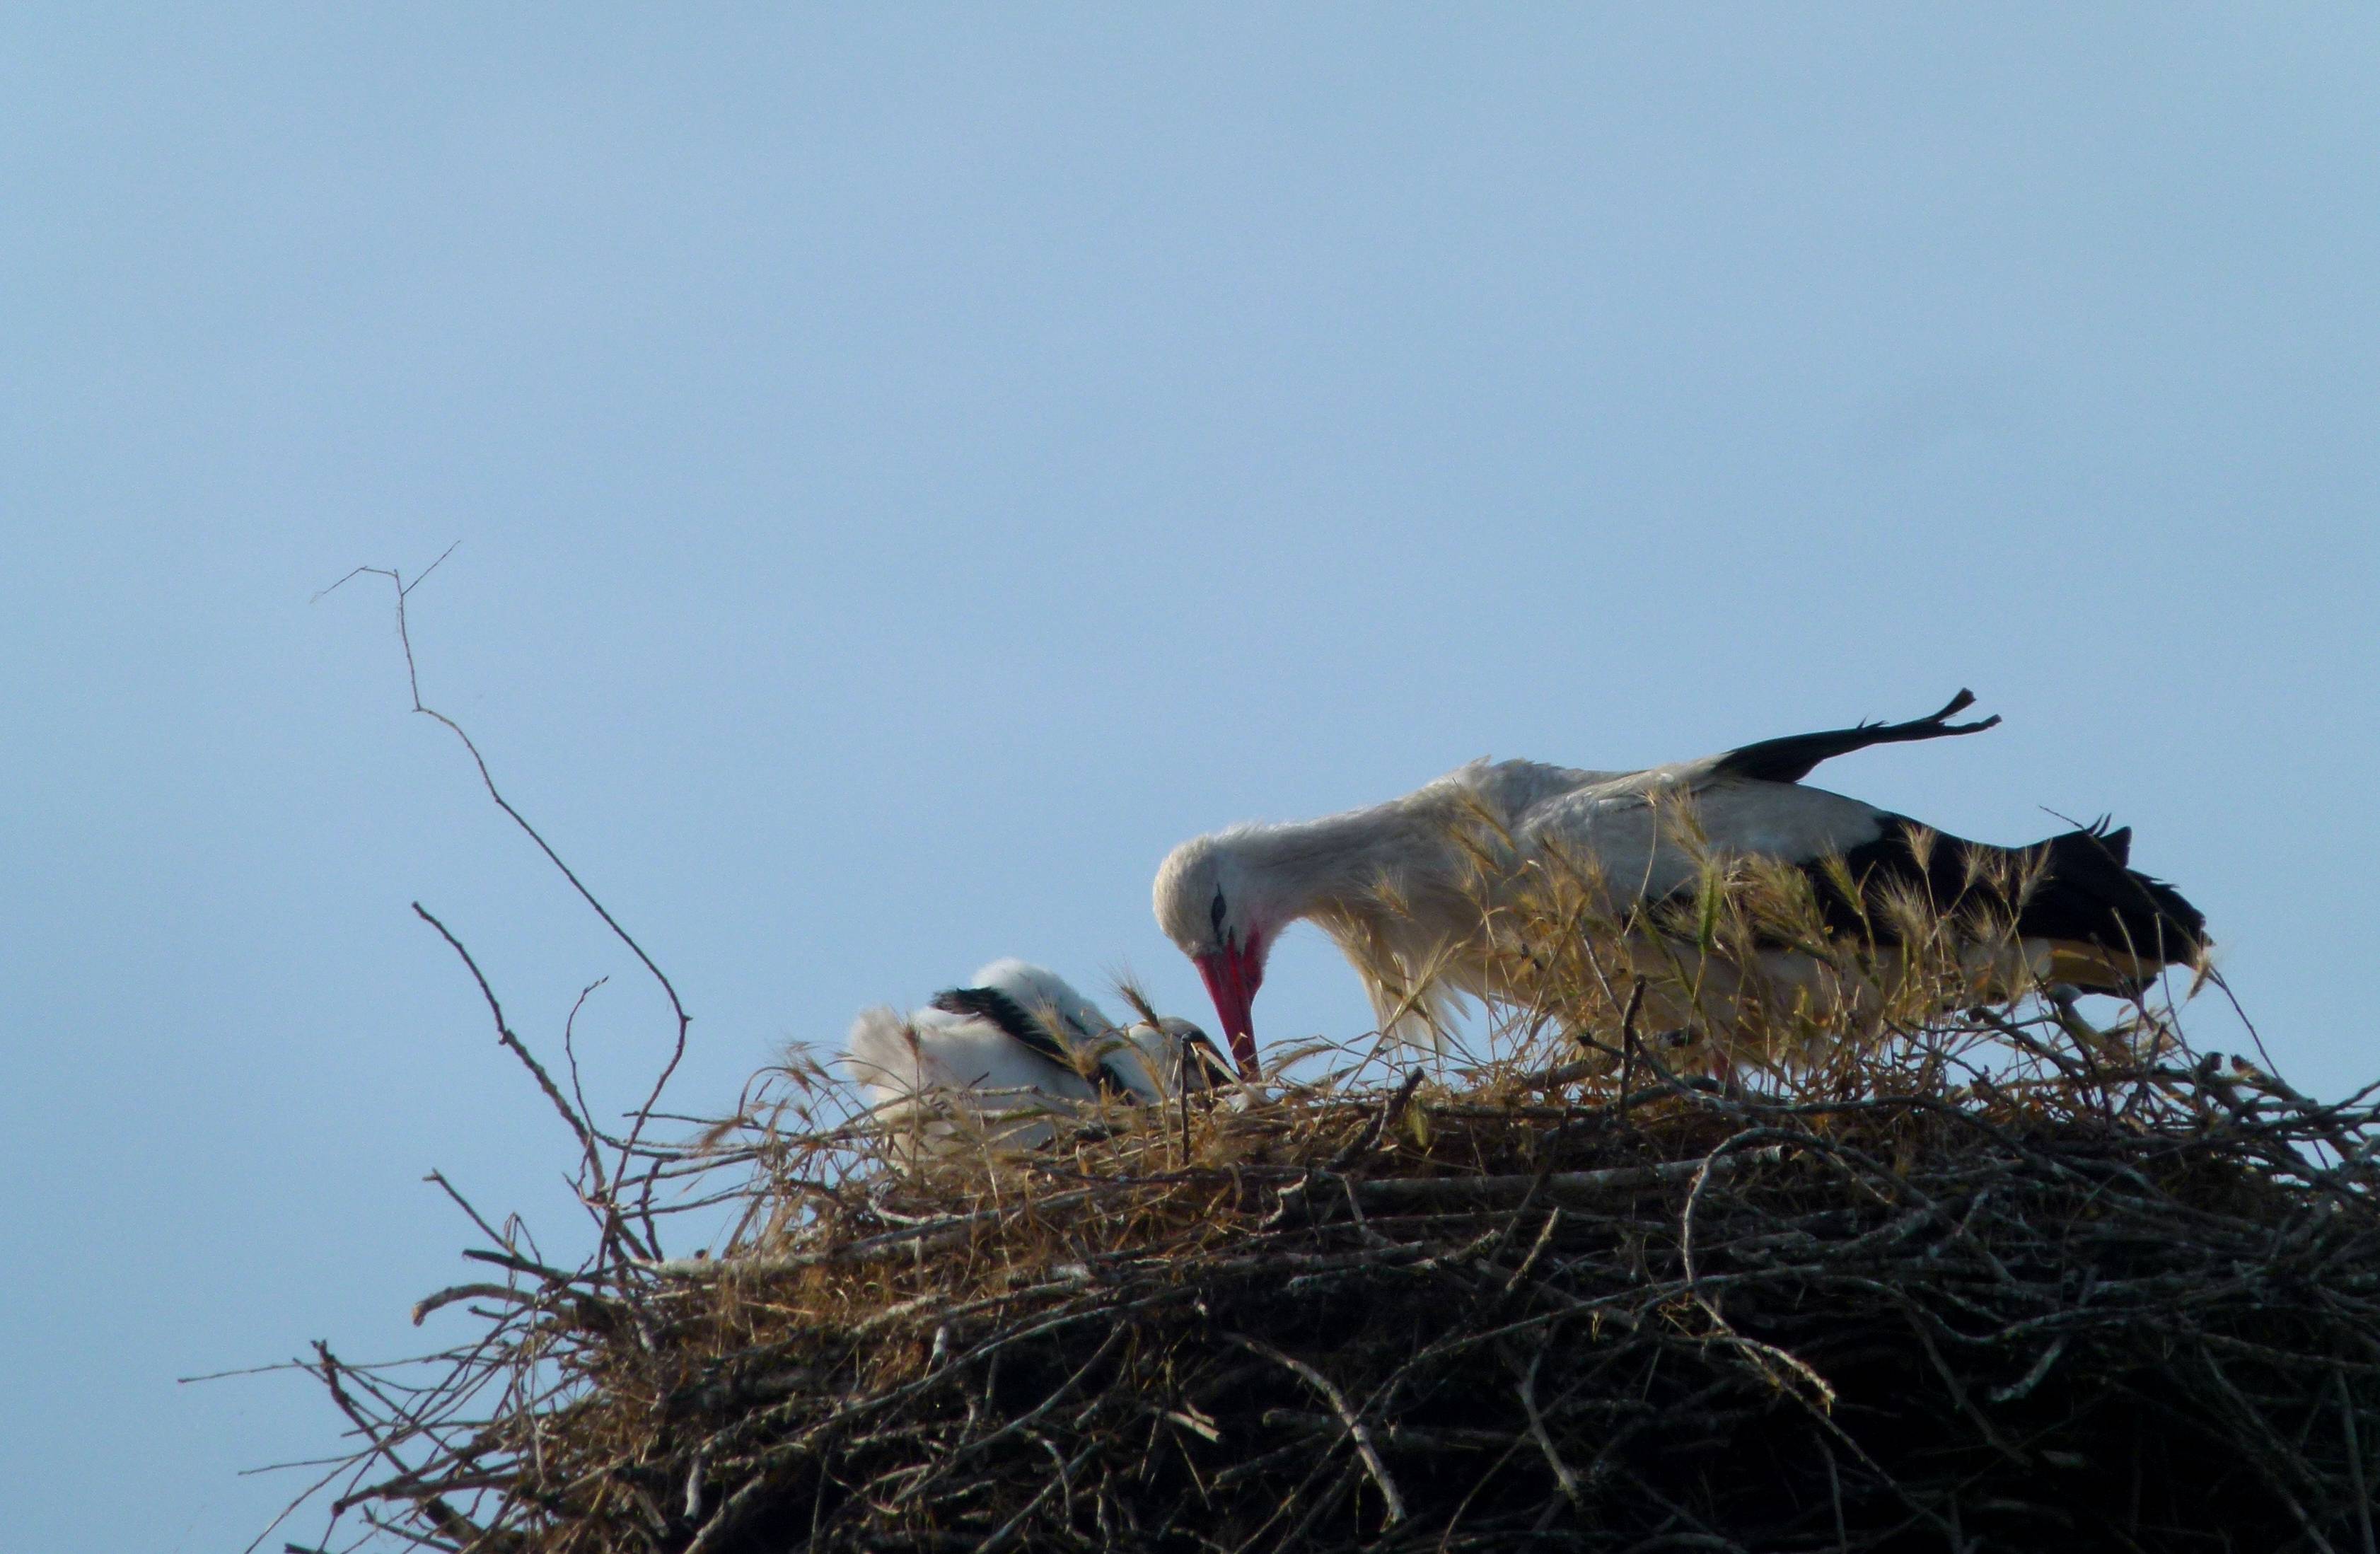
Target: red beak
(1231,974)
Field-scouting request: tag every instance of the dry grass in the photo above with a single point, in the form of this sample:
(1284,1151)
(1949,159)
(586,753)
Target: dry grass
(1935,1277)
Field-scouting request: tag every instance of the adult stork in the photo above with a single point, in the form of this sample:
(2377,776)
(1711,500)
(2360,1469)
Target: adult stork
(1019,1038)
(1406,887)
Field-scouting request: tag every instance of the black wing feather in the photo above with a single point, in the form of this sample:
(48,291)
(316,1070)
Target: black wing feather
(990,1003)
(1796,755)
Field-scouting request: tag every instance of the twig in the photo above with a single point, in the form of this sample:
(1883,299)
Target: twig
(1356,1431)
(1562,1474)
(453,1292)
(1390,1109)
(1415,1192)
(2354,1462)
(487,779)
(505,1036)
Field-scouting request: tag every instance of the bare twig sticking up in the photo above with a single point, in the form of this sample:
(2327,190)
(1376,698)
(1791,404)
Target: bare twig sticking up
(642,1114)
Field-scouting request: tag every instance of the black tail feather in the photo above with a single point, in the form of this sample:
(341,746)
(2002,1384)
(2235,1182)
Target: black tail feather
(2082,892)
(2087,893)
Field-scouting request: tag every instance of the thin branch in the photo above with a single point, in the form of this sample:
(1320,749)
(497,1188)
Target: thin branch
(1357,1430)
(569,1114)
(487,779)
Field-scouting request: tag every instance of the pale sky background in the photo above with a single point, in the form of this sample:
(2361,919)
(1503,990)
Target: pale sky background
(913,466)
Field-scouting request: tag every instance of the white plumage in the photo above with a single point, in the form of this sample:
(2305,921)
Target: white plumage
(1404,887)
(1017,1045)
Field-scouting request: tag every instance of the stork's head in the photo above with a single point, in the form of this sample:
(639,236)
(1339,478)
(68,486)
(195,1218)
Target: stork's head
(1207,903)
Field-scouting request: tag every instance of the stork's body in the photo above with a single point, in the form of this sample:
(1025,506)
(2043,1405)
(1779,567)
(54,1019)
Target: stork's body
(1404,887)
(1016,1042)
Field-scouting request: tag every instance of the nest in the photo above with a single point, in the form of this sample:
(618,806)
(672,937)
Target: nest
(1995,1279)
(1996,1284)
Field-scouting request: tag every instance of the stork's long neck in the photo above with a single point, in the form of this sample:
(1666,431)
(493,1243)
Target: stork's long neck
(1337,865)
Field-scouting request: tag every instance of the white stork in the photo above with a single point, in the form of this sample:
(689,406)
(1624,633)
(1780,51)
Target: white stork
(1400,894)
(1018,1038)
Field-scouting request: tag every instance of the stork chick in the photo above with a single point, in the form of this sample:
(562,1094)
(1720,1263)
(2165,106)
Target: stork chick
(1404,888)
(1017,1042)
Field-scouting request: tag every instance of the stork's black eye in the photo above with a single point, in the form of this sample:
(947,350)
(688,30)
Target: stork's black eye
(1215,914)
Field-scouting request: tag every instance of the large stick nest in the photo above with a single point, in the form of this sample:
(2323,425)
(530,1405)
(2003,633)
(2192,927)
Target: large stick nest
(1994,1280)
(2063,1299)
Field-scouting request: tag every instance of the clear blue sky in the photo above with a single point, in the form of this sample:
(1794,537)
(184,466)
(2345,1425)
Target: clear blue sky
(913,466)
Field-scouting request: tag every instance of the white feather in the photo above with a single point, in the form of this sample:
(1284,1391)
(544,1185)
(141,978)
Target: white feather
(953,1075)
